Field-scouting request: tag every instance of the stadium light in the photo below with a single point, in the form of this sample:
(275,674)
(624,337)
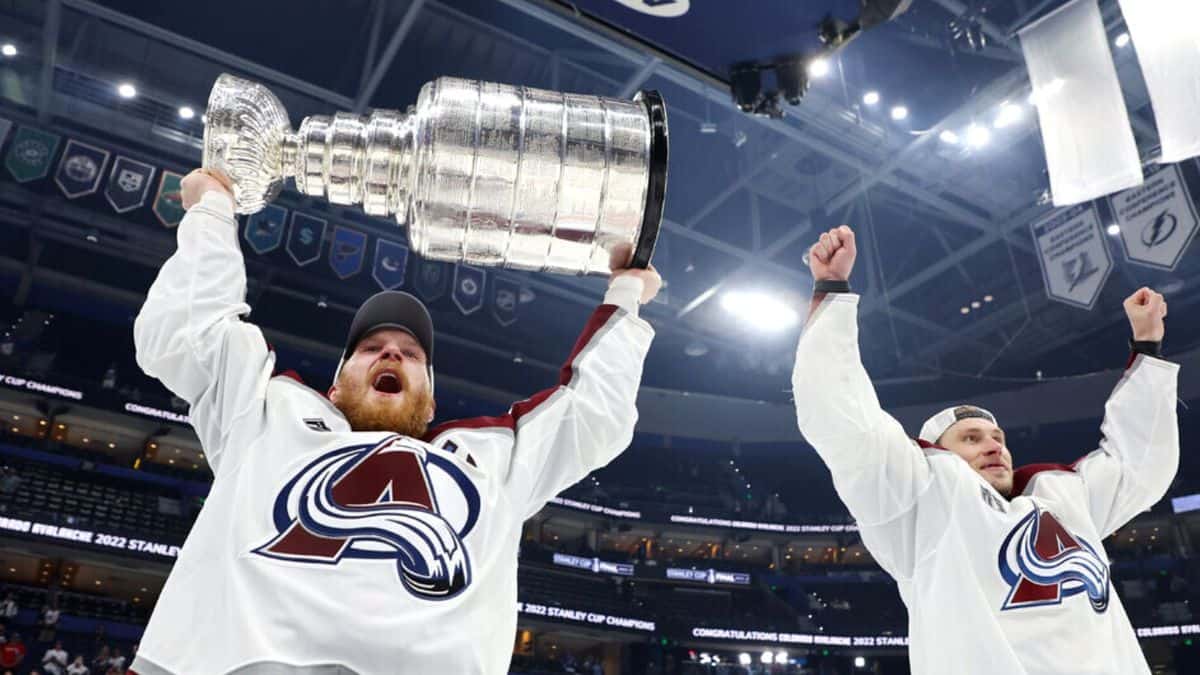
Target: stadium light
(819,68)
(1114,229)
(900,113)
(744,659)
(978,136)
(860,662)
(871,97)
(9,49)
(126,90)
(767,657)
(759,309)
(781,657)
(186,112)
(1010,114)
(1122,40)
(949,137)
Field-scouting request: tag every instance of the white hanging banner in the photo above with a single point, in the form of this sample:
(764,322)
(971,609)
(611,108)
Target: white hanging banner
(1158,220)
(1073,254)
(1166,34)
(1090,149)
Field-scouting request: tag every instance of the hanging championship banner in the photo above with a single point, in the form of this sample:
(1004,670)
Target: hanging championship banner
(1073,254)
(506,294)
(5,125)
(431,279)
(468,288)
(391,258)
(29,155)
(80,169)
(264,230)
(1158,218)
(168,203)
(128,184)
(305,238)
(347,251)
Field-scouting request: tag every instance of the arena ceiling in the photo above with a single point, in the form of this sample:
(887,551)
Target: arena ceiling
(941,225)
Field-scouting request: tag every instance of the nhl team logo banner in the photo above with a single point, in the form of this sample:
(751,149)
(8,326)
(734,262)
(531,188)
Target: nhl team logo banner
(80,169)
(168,204)
(468,288)
(29,155)
(506,295)
(1157,219)
(1074,255)
(305,238)
(264,230)
(128,184)
(391,259)
(5,125)
(347,252)
(431,279)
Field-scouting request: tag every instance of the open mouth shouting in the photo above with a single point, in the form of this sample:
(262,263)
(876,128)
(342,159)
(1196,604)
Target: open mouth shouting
(388,383)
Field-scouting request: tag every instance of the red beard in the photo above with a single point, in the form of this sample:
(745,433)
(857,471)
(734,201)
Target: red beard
(407,415)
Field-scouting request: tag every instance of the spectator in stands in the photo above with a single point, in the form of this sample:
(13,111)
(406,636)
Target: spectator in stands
(9,480)
(117,661)
(100,663)
(13,652)
(77,667)
(55,660)
(8,608)
(48,622)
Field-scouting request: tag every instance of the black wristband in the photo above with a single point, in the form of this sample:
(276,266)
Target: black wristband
(1147,347)
(831,286)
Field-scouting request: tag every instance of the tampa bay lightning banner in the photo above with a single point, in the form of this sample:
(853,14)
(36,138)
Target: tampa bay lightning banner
(347,251)
(468,288)
(128,184)
(306,238)
(506,295)
(391,259)
(431,279)
(264,230)
(80,169)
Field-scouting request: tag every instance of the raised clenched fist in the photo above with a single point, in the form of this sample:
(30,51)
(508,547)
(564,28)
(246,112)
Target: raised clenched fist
(1146,311)
(195,184)
(832,257)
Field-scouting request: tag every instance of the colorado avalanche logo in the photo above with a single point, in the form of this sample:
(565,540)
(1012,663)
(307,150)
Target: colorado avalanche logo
(388,500)
(1043,563)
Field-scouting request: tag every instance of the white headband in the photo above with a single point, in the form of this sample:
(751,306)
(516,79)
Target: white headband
(937,425)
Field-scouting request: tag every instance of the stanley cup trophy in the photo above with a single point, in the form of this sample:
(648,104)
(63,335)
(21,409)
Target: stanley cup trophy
(481,173)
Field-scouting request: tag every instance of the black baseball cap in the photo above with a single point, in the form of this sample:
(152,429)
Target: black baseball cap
(392,309)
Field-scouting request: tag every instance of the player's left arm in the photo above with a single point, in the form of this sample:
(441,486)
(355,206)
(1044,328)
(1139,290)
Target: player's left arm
(564,433)
(1139,451)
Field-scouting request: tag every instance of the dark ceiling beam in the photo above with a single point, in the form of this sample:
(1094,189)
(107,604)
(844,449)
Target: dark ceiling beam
(367,91)
(51,27)
(169,38)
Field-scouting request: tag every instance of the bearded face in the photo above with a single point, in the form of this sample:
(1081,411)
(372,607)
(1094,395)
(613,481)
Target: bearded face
(384,385)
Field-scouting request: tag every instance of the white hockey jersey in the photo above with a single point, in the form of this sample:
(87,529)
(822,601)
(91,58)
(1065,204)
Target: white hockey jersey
(320,549)
(1014,586)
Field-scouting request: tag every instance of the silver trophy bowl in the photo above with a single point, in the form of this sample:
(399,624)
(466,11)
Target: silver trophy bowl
(480,173)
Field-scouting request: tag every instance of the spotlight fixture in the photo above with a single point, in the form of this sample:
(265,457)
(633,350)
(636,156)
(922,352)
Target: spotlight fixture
(899,113)
(818,67)
(871,97)
(978,136)
(1114,229)
(9,49)
(975,304)
(949,137)
(792,77)
(965,310)
(126,90)
(186,113)
(1010,113)
(1122,40)
(745,81)
(988,298)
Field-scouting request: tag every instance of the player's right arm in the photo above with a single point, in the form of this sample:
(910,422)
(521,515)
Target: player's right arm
(879,472)
(190,334)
